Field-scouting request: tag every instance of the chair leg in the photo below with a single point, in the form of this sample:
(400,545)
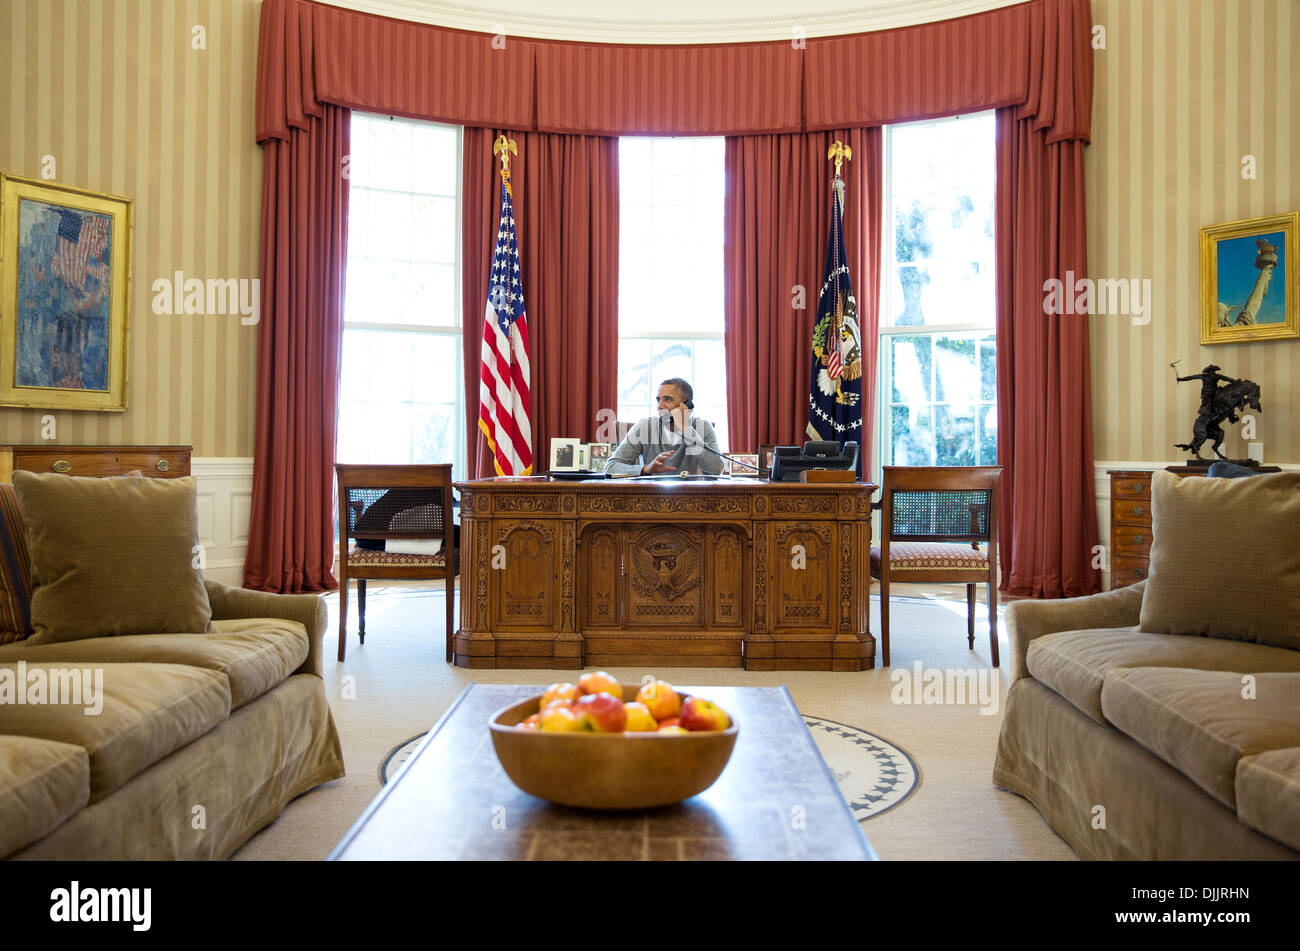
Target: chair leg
(970,616)
(343,617)
(884,620)
(361,606)
(993,619)
(451,613)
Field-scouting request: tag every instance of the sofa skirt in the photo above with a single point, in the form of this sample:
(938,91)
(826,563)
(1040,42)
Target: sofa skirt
(1107,796)
(206,800)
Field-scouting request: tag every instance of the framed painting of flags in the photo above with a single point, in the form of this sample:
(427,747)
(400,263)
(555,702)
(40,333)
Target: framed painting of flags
(65,275)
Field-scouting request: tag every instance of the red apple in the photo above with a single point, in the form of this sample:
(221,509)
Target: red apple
(700,714)
(671,721)
(601,713)
(558,692)
(660,699)
(533,722)
(600,682)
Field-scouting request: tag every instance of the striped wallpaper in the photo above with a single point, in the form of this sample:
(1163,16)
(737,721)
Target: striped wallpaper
(115,92)
(1184,90)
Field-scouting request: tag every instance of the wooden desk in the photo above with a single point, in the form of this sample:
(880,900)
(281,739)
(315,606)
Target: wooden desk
(452,799)
(629,572)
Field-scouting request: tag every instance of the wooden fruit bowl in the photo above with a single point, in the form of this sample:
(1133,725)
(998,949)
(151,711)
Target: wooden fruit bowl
(608,770)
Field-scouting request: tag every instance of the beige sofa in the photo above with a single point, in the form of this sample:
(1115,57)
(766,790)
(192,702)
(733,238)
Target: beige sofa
(1136,745)
(201,741)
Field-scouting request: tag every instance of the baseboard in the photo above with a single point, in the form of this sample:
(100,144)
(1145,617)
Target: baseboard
(225,496)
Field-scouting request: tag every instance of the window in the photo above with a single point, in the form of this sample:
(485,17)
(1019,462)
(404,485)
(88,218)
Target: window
(670,274)
(401,397)
(938,403)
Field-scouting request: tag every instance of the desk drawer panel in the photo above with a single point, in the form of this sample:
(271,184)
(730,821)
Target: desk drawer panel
(163,464)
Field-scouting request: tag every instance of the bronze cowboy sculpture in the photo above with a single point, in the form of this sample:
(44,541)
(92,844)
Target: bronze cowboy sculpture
(1221,398)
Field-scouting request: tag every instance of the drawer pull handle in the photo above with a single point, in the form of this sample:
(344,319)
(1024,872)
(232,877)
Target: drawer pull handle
(1139,539)
(1140,572)
(62,465)
(1139,511)
(1137,486)
(162,465)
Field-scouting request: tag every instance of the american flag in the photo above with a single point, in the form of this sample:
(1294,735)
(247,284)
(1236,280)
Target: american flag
(503,412)
(79,240)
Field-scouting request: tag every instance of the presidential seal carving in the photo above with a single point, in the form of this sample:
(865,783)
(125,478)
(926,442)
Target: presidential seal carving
(665,570)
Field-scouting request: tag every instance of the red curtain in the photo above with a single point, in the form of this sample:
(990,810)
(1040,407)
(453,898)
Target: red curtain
(1047,520)
(566,203)
(777,221)
(312,53)
(303,260)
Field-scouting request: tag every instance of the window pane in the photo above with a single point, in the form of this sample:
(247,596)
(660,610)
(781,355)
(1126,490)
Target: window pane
(954,435)
(988,369)
(437,159)
(956,379)
(912,436)
(435,229)
(910,357)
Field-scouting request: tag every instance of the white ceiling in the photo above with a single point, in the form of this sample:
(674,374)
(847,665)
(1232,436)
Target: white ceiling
(673,21)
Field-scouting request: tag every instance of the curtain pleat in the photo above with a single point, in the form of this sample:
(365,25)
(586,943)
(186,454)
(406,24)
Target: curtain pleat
(299,336)
(777,220)
(566,199)
(1047,520)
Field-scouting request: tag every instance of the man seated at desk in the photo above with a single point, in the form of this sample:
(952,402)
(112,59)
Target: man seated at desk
(649,444)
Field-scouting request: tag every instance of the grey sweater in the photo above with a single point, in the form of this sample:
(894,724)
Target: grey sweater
(648,438)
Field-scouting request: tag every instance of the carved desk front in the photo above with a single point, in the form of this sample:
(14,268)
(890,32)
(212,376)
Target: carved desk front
(645,573)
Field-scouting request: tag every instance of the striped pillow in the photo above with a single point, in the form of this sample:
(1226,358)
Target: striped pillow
(15,571)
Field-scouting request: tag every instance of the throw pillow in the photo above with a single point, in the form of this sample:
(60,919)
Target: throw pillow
(112,556)
(1225,558)
(15,571)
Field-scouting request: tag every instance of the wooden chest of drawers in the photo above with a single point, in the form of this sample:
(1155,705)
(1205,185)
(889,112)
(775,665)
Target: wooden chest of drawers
(159,462)
(1130,526)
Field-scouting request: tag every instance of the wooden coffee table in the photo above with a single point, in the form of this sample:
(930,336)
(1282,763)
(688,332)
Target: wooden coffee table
(775,800)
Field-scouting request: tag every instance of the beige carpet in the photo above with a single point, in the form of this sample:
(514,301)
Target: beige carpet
(398,685)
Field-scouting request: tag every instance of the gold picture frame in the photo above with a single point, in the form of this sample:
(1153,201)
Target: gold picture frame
(65,291)
(1243,299)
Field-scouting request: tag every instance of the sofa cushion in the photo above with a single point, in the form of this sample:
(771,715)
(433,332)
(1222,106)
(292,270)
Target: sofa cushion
(112,556)
(1212,534)
(15,570)
(42,784)
(1268,794)
(255,654)
(1075,663)
(1203,722)
(146,712)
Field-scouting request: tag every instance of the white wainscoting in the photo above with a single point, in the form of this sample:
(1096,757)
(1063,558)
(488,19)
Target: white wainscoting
(1101,475)
(225,491)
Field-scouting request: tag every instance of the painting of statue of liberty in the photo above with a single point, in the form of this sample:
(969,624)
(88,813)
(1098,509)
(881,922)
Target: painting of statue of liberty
(1248,269)
(64,297)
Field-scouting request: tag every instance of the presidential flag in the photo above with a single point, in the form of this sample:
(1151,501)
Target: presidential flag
(503,412)
(81,239)
(835,384)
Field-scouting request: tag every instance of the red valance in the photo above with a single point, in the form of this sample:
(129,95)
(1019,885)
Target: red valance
(1034,55)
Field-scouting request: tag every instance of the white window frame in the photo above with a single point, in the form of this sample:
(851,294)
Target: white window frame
(670,335)
(884,384)
(457,328)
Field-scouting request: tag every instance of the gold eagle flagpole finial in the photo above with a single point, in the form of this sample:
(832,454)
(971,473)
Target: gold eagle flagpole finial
(503,148)
(839,151)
